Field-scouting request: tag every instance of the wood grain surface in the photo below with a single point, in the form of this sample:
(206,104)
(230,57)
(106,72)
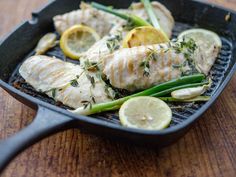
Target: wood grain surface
(209,149)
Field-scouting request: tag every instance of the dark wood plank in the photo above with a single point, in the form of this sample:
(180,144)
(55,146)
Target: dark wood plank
(209,149)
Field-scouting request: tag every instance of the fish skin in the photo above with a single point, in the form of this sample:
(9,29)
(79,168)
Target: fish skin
(47,73)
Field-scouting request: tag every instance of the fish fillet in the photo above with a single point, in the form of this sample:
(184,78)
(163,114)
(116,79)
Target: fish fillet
(126,68)
(54,77)
(103,22)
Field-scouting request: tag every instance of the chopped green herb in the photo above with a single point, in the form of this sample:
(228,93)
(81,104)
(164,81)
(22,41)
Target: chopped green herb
(152,56)
(109,91)
(93,99)
(166,50)
(113,43)
(90,66)
(176,66)
(74,83)
(87,104)
(91,79)
(54,92)
(90,103)
(187,47)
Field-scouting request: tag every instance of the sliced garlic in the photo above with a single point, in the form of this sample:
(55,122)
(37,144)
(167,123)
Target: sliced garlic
(45,43)
(189,93)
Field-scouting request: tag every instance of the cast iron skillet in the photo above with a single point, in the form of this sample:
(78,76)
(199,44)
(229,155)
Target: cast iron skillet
(50,118)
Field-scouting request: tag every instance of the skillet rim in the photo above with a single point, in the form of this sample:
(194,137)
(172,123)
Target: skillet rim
(107,124)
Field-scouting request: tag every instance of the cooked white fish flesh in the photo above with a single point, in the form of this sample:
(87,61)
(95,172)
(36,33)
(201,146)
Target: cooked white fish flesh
(103,22)
(107,45)
(65,82)
(124,68)
(205,56)
(141,67)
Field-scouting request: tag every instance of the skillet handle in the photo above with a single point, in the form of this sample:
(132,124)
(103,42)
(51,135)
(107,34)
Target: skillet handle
(45,123)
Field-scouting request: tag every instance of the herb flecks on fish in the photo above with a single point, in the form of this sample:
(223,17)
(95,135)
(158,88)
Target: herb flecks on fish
(187,47)
(53,91)
(90,66)
(74,83)
(156,91)
(151,56)
(91,79)
(129,25)
(87,104)
(113,43)
(110,92)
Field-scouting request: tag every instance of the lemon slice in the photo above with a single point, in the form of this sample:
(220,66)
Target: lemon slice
(77,40)
(202,37)
(145,35)
(145,113)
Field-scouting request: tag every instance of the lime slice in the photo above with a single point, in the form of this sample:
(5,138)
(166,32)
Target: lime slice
(202,37)
(145,35)
(77,40)
(145,113)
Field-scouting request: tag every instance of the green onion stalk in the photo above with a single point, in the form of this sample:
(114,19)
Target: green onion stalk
(156,91)
(152,16)
(133,19)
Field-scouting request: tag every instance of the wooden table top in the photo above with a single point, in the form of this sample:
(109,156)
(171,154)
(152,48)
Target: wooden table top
(208,149)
